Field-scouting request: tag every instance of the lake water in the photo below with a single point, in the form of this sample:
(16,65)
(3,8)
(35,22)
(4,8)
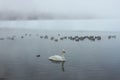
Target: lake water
(85,59)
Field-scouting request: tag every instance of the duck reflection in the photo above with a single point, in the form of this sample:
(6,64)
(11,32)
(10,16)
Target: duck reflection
(59,62)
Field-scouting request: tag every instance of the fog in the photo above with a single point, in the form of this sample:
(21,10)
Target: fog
(99,15)
(59,9)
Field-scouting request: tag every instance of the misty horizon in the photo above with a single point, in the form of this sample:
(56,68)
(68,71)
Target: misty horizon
(99,15)
(14,15)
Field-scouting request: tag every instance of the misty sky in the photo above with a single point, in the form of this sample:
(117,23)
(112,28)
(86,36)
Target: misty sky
(60,9)
(104,14)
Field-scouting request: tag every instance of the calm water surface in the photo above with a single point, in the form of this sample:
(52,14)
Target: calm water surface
(85,60)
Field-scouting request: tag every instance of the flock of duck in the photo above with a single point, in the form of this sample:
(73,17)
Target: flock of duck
(59,37)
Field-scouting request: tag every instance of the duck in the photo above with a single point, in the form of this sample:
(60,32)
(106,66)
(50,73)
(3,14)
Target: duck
(60,58)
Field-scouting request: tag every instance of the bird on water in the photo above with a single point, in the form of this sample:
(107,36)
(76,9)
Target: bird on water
(58,57)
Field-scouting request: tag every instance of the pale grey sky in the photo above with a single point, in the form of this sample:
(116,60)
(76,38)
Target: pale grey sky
(61,9)
(95,14)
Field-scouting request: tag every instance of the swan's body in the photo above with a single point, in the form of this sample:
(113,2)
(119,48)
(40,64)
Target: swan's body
(58,57)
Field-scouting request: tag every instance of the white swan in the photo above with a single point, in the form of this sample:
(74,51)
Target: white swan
(58,57)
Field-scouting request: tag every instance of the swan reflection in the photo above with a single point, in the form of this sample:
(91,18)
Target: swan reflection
(59,62)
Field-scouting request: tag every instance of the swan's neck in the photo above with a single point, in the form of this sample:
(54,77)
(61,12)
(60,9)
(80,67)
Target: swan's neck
(62,54)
